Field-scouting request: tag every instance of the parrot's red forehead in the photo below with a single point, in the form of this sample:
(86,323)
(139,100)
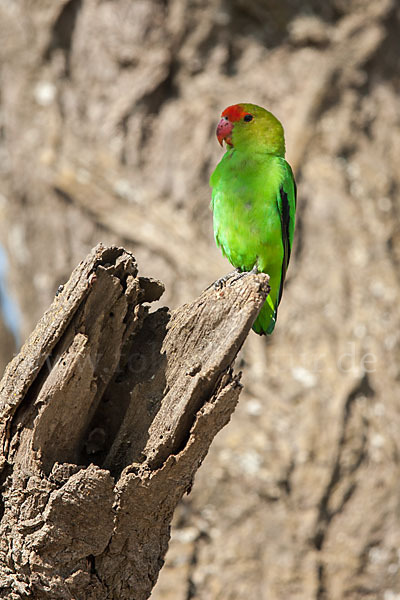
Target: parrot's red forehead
(234,112)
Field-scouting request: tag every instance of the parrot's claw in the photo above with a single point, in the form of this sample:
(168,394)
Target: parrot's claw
(232,277)
(220,283)
(241,274)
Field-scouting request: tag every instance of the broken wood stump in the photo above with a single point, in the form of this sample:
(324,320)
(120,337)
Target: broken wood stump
(106,414)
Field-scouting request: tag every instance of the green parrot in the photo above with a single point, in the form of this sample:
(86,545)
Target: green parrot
(254,201)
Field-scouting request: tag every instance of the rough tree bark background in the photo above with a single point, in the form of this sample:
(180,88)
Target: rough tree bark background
(107,117)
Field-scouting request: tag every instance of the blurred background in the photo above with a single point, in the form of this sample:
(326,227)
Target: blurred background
(108,112)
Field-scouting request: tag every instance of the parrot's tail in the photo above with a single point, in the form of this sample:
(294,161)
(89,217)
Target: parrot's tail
(265,322)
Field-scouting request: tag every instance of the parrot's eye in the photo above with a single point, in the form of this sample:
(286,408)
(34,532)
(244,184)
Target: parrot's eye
(248,118)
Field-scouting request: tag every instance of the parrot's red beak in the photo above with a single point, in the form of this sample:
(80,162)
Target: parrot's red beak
(224,131)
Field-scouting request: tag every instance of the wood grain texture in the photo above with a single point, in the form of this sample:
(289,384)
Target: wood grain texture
(107,413)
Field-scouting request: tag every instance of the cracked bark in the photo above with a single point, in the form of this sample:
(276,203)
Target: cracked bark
(106,414)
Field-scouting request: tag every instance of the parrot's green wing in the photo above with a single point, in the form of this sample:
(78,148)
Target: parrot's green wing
(286,201)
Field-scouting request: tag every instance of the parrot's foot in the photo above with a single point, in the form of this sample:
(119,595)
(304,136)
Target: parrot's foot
(241,274)
(220,283)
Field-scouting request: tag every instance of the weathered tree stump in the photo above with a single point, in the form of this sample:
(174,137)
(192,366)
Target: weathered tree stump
(106,414)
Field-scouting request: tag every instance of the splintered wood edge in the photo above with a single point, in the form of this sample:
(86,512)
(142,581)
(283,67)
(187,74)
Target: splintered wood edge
(24,368)
(202,341)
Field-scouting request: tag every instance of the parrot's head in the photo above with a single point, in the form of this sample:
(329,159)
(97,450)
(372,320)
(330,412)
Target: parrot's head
(252,128)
